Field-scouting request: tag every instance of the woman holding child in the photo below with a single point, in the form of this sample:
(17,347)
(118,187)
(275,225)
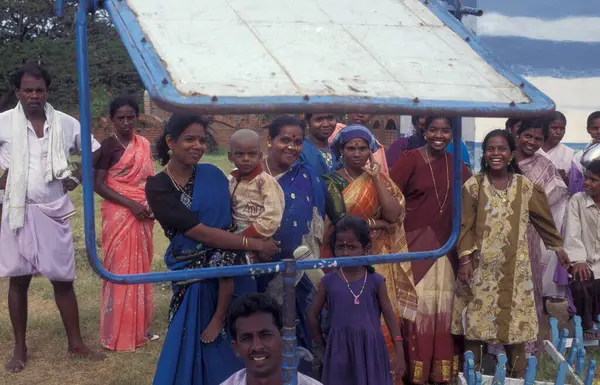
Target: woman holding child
(191,202)
(363,191)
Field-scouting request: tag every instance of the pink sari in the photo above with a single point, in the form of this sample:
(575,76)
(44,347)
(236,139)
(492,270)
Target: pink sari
(127,310)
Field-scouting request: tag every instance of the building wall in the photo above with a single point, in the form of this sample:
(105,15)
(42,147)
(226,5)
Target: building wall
(384,127)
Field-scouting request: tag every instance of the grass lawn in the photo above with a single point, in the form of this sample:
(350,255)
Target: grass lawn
(48,362)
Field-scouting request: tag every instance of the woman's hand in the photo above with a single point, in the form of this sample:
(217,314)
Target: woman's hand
(373,169)
(139,210)
(563,259)
(465,272)
(266,248)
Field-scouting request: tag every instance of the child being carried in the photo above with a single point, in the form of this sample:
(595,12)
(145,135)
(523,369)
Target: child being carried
(257,200)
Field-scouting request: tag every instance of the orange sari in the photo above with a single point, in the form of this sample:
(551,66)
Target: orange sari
(359,198)
(127,310)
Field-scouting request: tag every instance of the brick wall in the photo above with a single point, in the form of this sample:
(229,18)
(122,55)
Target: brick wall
(148,126)
(384,127)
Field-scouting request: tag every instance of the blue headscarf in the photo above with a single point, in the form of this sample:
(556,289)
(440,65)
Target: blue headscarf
(352,131)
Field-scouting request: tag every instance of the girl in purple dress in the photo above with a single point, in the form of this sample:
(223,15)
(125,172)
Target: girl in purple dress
(355,352)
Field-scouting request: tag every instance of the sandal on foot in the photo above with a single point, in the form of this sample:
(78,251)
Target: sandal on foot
(152,336)
(590,335)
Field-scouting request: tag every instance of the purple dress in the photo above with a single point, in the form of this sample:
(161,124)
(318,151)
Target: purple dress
(356,353)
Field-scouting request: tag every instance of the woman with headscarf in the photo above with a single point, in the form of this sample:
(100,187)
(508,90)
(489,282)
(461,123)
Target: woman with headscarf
(424,175)
(363,191)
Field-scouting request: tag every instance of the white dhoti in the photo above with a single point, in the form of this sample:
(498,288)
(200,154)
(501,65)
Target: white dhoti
(44,245)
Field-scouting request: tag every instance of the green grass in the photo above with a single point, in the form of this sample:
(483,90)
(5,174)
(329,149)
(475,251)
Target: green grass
(49,364)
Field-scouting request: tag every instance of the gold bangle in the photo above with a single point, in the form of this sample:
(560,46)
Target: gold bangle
(244,242)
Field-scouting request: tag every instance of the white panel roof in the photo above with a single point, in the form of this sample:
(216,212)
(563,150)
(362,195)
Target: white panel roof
(390,49)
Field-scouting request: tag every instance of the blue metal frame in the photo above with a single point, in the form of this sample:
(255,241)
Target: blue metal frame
(88,198)
(160,87)
(151,70)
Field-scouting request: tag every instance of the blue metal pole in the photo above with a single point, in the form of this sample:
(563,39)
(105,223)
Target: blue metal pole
(290,358)
(85,119)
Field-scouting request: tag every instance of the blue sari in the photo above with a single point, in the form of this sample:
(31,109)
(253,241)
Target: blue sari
(302,224)
(316,158)
(184,359)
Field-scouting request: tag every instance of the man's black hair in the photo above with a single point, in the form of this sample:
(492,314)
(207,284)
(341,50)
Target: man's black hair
(250,304)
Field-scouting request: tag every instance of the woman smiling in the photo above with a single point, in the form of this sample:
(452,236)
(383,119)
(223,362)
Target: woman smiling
(424,175)
(302,223)
(191,202)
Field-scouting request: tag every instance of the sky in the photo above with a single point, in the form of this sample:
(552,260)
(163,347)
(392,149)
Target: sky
(543,37)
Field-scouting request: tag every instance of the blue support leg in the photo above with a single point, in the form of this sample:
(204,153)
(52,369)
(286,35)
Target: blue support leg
(589,377)
(580,361)
(469,368)
(500,373)
(478,378)
(578,331)
(562,343)
(290,358)
(530,371)
(561,375)
(554,331)
(573,352)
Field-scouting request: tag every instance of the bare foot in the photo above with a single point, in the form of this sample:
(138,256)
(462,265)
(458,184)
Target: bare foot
(212,331)
(17,362)
(86,353)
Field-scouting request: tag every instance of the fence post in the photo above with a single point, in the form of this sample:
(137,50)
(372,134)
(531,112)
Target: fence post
(500,374)
(290,358)
(589,378)
(530,371)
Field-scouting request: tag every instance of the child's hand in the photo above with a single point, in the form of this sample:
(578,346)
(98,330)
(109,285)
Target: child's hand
(465,273)
(212,331)
(398,365)
(563,259)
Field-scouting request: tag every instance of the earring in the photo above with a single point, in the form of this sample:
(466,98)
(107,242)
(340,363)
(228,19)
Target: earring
(269,144)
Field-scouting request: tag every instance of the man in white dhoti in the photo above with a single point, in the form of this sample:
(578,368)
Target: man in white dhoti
(35,232)
(559,154)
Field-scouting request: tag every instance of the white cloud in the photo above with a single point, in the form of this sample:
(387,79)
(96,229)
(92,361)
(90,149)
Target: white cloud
(581,29)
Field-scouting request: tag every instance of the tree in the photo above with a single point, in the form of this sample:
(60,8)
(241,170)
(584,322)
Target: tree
(31,31)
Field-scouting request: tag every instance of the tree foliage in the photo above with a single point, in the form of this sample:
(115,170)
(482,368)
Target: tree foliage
(31,31)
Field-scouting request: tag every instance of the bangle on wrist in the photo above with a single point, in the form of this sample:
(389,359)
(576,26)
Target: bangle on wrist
(398,339)
(466,262)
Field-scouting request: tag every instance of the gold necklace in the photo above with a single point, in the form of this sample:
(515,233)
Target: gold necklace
(119,140)
(435,185)
(350,176)
(502,194)
(176,184)
(269,168)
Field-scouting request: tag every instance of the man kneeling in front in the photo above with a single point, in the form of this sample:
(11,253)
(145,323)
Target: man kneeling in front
(255,324)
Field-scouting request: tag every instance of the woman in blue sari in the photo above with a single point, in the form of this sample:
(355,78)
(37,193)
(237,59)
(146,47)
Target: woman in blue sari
(191,202)
(302,223)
